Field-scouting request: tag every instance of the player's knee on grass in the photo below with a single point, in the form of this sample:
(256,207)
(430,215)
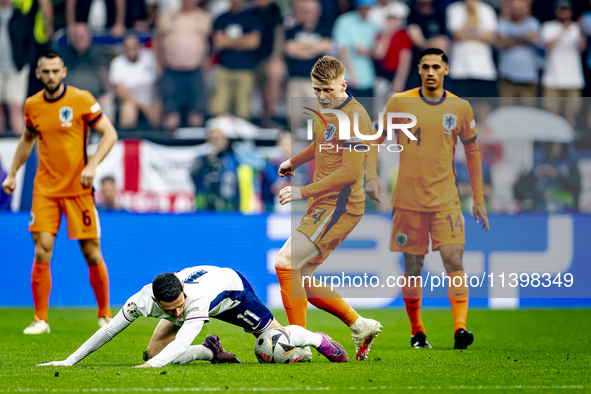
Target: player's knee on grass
(413,265)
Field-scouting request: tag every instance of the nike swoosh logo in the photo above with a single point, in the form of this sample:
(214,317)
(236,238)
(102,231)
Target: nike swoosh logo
(305,224)
(457,235)
(414,302)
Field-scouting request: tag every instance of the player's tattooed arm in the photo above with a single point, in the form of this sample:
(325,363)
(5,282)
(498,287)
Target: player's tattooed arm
(23,150)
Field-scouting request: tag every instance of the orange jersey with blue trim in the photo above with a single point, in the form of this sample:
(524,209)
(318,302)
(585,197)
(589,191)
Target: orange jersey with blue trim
(426,176)
(62,126)
(340,166)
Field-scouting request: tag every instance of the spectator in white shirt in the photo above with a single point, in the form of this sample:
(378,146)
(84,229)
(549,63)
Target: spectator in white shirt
(473,25)
(563,72)
(134,75)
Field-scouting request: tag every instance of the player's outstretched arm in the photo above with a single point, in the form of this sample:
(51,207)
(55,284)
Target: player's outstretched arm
(109,136)
(351,168)
(102,336)
(288,167)
(184,338)
(23,150)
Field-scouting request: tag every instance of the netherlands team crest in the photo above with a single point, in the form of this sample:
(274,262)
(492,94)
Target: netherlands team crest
(450,121)
(401,239)
(66,114)
(330,131)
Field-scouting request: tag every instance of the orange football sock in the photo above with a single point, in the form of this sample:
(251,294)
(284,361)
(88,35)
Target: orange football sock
(293,295)
(458,297)
(412,293)
(322,297)
(99,280)
(41,284)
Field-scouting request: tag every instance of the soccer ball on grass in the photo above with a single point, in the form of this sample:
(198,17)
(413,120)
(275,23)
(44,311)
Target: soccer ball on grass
(273,346)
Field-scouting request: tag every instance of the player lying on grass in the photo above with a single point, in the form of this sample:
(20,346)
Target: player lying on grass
(185,301)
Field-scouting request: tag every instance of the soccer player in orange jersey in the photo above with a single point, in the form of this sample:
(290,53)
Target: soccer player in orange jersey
(426,199)
(336,204)
(59,117)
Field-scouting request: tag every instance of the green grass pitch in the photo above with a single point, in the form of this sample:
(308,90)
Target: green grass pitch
(524,350)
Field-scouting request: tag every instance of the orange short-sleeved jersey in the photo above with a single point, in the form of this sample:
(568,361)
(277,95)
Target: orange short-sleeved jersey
(426,176)
(328,160)
(62,125)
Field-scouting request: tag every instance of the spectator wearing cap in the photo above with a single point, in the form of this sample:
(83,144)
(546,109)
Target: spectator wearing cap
(354,35)
(134,74)
(236,37)
(379,14)
(393,50)
(563,72)
(518,36)
(16,42)
(181,51)
(305,43)
(473,25)
(427,29)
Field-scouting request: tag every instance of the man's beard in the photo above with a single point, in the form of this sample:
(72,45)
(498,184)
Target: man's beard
(49,90)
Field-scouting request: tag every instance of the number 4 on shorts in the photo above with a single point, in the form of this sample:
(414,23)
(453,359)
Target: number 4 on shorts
(318,215)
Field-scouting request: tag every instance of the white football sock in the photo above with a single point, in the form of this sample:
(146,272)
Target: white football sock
(359,326)
(198,352)
(302,337)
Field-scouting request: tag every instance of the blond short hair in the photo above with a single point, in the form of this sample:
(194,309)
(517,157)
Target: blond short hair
(327,69)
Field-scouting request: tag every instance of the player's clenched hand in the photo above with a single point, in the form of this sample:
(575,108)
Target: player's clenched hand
(55,364)
(289,194)
(285,168)
(146,365)
(9,184)
(480,215)
(87,176)
(375,190)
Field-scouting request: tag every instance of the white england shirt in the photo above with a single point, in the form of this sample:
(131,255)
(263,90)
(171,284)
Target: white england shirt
(208,291)
(205,286)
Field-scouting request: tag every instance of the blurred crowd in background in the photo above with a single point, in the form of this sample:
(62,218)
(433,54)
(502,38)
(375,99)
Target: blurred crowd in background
(160,65)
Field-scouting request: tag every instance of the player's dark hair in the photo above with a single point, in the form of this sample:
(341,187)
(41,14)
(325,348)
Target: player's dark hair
(50,55)
(434,51)
(167,287)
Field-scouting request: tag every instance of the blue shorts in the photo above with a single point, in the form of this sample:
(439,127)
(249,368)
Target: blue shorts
(250,314)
